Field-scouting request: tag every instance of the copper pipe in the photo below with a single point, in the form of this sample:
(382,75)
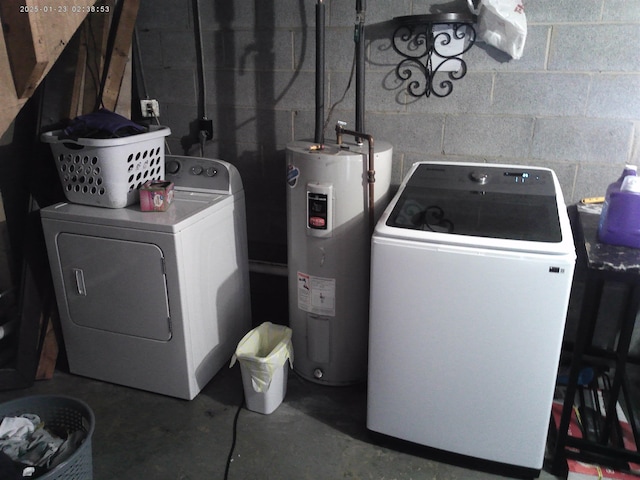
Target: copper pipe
(371,173)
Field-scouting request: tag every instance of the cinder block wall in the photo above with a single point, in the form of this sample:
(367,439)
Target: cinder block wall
(571,103)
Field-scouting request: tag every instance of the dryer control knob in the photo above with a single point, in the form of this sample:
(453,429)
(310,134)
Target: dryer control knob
(172,167)
(479,177)
(196,170)
(210,172)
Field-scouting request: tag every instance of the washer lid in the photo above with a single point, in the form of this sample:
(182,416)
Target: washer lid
(478,200)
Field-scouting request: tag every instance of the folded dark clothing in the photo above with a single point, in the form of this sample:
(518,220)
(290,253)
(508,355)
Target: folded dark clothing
(102,124)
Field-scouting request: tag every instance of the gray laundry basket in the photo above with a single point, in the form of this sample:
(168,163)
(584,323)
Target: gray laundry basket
(65,414)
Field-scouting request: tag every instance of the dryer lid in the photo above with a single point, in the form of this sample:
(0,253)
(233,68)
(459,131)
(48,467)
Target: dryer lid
(480,200)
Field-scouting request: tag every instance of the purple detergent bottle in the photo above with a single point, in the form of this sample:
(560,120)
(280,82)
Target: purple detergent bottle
(620,220)
(614,187)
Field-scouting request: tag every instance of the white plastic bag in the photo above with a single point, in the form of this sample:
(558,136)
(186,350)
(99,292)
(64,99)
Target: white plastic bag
(502,24)
(262,351)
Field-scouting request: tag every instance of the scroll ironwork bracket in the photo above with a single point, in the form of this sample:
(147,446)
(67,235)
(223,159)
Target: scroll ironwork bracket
(421,44)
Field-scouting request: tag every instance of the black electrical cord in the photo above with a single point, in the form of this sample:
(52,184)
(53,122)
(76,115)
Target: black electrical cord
(233,440)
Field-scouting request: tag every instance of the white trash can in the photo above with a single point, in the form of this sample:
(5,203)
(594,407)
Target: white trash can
(263,354)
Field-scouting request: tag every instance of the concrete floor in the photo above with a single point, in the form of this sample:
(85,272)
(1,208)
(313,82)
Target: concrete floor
(317,433)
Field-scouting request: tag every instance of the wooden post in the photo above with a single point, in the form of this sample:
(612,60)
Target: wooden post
(28,57)
(120,54)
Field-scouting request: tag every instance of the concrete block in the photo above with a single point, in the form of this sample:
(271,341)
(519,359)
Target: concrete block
(149,42)
(163,14)
(304,125)
(233,87)
(540,94)
(172,85)
(276,90)
(247,50)
(582,140)
(595,48)
(592,179)
(621,11)
(287,13)
(178,118)
(488,136)
(563,11)
(339,47)
(614,96)
(416,133)
(178,48)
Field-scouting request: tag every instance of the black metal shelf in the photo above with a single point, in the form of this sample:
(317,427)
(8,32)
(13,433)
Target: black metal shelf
(415,40)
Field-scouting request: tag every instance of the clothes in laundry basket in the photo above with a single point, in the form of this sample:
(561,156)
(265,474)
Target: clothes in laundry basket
(28,443)
(102,124)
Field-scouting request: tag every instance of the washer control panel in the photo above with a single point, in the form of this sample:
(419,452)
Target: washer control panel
(489,178)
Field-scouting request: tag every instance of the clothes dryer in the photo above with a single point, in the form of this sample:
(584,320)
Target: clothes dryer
(472,266)
(155,300)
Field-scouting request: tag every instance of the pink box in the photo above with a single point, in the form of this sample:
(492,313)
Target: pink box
(156,196)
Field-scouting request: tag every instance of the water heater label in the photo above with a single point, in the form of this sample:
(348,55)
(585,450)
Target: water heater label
(317,294)
(293,173)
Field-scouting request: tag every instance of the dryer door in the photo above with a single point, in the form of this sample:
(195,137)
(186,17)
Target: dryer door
(115,285)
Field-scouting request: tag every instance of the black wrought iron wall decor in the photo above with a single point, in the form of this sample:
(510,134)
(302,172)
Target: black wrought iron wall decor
(424,45)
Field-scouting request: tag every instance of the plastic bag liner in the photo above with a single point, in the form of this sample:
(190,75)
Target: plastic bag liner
(502,24)
(262,351)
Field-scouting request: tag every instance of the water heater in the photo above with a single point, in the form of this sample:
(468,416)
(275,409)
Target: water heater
(329,234)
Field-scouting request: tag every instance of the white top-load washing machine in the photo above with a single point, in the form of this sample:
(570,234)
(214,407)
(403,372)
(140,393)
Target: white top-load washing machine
(472,266)
(155,300)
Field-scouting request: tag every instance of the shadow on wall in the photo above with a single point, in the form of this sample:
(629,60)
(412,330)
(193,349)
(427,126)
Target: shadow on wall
(262,170)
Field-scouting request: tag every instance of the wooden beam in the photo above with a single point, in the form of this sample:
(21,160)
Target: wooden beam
(28,56)
(80,47)
(55,30)
(123,106)
(120,54)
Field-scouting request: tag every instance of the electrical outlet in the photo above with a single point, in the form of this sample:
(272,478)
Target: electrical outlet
(150,108)
(206,125)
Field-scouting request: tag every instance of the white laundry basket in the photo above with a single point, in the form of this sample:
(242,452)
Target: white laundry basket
(108,172)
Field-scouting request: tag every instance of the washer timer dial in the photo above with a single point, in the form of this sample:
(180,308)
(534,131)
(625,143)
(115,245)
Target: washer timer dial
(480,178)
